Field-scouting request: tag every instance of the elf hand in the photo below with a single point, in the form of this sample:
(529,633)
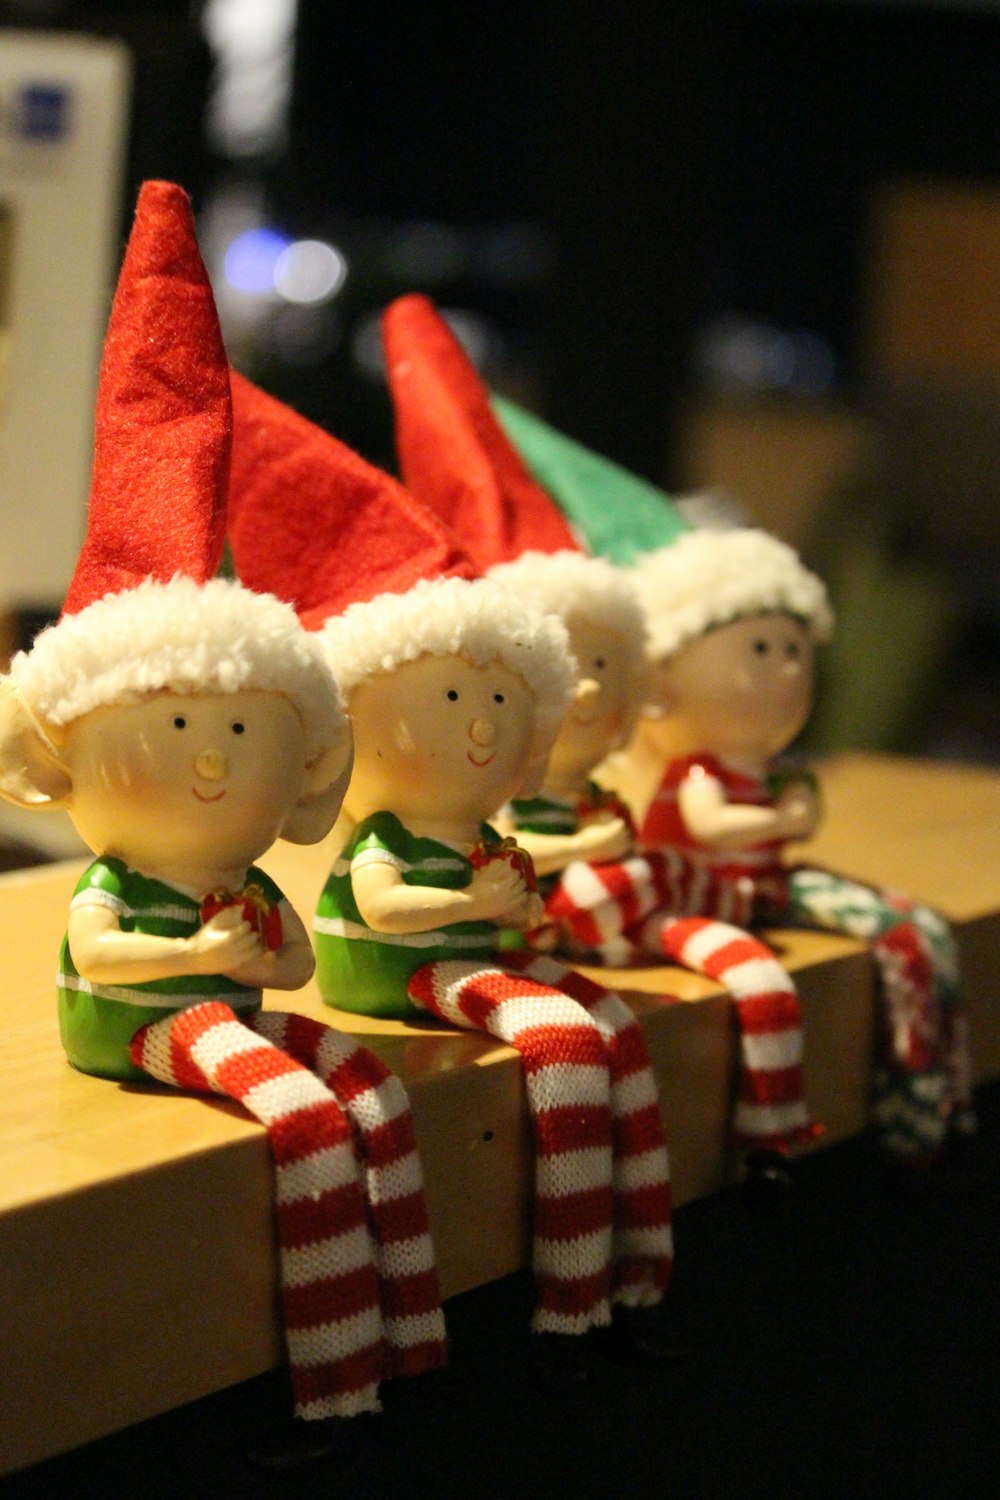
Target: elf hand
(798,810)
(499,894)
(224,943)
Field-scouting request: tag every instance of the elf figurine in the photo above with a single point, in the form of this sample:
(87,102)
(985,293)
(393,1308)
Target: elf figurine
(456,691)
(733,619)
(603,899)
(186,723)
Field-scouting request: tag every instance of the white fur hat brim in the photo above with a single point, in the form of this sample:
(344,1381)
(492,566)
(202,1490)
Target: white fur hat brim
(709,577)
(575,586)
(455,617)
(181,637)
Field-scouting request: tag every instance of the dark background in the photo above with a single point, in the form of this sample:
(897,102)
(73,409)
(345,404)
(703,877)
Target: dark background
(672,162)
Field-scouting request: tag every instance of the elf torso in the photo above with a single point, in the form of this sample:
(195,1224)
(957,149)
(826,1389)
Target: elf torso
(362,970)
(664,825)
(96,1020)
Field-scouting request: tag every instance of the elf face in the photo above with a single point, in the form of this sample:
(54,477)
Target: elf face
(600,711)
(742,690)
(439,739)
(181,779)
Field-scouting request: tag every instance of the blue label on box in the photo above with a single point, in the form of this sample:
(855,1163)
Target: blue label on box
(42,111)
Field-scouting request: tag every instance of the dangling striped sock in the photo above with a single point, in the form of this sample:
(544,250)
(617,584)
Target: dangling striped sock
(330,1285)
(922,1083)
(642,1244)
(910,1105)
(566,1076)
(771,1111)
(376,1104)
(951,1026)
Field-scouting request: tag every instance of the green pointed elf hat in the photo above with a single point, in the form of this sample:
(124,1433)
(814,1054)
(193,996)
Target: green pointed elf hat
(616,514)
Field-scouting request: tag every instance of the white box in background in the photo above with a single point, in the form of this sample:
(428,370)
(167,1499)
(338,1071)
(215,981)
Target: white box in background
(64,105)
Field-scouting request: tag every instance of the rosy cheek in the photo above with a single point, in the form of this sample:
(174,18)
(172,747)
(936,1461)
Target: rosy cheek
(120,776)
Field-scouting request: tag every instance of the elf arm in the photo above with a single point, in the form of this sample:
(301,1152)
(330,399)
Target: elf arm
(720,824)
(104,954)
(496,893)
(599,840)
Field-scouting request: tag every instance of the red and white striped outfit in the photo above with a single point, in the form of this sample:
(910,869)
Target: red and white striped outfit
(726,882)
(602,1231)
(360,1294)
(623,910)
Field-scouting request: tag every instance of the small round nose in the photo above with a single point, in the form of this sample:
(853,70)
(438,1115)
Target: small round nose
(211,764)
(587,689)
(482,732)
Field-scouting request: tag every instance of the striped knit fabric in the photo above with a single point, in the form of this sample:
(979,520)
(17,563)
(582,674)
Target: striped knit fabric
(771,1111)
(922,1087)
(602,1230)
(354,1311)
(595,906)
(376,1105)
(619,911)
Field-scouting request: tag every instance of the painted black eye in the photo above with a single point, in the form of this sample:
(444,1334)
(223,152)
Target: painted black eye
(792,650)
(761,647)
(452,695)
(600,663)
(180,722)
(498,698)
(238,727)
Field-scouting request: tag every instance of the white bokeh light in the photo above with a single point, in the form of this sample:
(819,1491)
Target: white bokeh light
(253,42)
(309,271)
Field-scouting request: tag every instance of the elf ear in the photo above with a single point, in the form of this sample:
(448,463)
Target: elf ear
(661,695)
(534,776)
(32,774)
(324,786)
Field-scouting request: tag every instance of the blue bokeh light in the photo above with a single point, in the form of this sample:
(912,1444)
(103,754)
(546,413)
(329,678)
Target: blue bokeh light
(250,260)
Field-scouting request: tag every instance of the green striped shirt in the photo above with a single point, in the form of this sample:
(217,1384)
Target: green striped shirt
(545,815)
(97,1021)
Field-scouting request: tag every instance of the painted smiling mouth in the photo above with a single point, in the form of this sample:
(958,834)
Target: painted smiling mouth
(480,763)
(217,798)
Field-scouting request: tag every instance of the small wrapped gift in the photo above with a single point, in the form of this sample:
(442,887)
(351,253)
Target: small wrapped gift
(263,916)
(519,859)
(507,849)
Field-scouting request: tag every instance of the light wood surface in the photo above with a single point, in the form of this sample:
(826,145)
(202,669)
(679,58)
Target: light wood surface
(135,1224)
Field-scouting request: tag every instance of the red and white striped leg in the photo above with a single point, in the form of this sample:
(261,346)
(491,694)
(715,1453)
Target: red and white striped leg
(642,1243)
(771,1111)
(377,1106)
(593,905)
(598,908)
(566,1074)
(329,1276)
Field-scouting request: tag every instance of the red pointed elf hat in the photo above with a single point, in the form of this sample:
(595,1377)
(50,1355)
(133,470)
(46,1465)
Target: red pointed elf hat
(365,562)
(457,457)
(144,612)
(453,453)
(312,522)
(162,426)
